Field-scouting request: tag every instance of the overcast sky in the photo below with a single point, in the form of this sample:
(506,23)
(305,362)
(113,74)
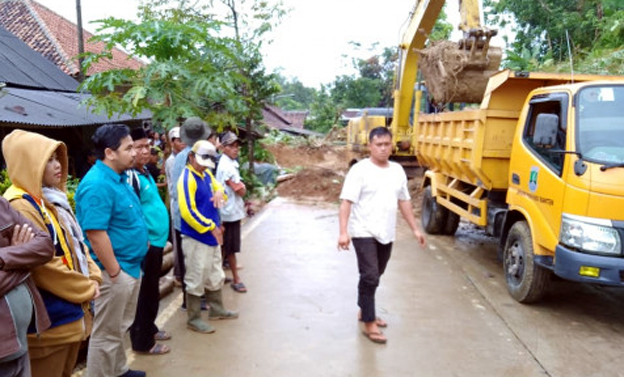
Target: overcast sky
(312,42)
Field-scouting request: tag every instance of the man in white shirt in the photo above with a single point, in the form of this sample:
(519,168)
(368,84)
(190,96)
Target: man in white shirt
(233,211)
(372,191)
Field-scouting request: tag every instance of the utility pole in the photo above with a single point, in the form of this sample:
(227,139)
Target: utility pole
(80,41)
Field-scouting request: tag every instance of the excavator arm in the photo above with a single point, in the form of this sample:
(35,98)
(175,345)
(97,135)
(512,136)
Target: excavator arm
(453,71)
(423,18)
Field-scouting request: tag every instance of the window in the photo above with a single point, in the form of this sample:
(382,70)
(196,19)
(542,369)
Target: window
(555,104)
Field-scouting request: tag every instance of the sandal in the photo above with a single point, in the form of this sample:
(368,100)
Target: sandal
(375,336)
(380,322)
(162,335)
(239,287)
(158,349)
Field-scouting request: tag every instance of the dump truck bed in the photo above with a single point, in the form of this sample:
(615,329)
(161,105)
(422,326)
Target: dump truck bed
(474,146)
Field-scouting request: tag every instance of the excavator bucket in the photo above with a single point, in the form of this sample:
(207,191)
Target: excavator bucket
(454,72)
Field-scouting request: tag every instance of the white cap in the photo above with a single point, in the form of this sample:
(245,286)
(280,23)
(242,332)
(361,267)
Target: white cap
(174,133)
(205,151)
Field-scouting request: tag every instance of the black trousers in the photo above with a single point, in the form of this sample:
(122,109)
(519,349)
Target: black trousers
(143,329)
(179,266)
(372,258)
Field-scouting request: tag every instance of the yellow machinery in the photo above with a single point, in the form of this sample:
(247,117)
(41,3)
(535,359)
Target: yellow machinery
(460,76)
(539,165)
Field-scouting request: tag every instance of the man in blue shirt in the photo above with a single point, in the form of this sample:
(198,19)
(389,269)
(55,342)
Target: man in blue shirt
(110,214)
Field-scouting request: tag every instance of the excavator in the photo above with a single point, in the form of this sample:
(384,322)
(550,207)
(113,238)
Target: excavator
(452,72)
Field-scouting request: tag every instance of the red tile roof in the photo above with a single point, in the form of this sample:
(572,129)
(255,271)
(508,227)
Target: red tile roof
(56,37)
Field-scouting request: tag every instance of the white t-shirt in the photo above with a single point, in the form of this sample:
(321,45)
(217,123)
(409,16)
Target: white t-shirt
(374,193)
(234,208)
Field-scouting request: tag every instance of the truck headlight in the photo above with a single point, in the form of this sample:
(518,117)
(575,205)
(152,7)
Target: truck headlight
(589,234)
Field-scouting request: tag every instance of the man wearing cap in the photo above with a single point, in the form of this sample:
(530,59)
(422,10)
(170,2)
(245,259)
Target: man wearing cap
(201,237)
(233,211)
(144,332)
(191,131)
(177,145)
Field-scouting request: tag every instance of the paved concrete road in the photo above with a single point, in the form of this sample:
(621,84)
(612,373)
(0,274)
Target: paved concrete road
(447,309)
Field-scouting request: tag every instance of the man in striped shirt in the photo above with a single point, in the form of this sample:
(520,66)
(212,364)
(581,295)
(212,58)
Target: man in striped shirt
(201,237)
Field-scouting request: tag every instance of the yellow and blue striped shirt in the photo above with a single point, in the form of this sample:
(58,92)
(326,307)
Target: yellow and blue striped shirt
(199,215)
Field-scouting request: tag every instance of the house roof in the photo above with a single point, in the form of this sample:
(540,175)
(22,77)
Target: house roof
(34,92)
(275,117)
(52,109)
(23,67)
(55,37)
(296,118)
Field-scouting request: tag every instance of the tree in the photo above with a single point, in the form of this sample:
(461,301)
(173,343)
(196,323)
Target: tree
(293,95)
(250,25)
(194,68)
(541,27)
(191,71)
(324,112)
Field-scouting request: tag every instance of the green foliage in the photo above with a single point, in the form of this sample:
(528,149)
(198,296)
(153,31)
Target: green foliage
(72,186)
(276,137)
(5,182)
(600,61)
(294,95)
(255,188)
(261,154)
(442,29)
(324,112)
(351,92)
(192,72)
(540,29)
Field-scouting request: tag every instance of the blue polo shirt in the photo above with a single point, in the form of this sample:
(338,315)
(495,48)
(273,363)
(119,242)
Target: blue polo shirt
(104,201)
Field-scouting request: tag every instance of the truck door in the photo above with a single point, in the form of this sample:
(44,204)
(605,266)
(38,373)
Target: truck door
(537,165)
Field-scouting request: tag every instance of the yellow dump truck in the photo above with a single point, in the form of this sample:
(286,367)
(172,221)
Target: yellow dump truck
(541,166)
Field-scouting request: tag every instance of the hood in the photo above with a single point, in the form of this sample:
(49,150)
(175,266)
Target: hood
(26,155)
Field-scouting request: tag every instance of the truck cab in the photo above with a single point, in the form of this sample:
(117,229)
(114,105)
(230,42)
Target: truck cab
(566,192)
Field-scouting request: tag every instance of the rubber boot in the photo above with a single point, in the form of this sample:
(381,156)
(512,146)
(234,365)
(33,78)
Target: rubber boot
(194,322)
(217,311)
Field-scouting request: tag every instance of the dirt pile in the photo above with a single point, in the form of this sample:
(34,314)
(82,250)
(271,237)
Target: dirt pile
(451,75)
(318,171)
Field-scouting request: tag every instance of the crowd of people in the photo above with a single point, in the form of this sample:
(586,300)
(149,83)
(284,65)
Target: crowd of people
(67,276)
(93,273)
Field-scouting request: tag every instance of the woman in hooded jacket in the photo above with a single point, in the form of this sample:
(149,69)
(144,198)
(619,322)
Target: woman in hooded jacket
(37,166)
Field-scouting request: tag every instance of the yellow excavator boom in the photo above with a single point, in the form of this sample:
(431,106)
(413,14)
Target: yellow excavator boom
(453,71)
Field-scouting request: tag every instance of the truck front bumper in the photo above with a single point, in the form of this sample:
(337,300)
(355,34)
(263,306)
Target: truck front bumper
(568,264)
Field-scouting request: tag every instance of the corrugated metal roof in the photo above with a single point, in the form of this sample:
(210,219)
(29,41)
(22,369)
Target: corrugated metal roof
(24,67)
(54,109)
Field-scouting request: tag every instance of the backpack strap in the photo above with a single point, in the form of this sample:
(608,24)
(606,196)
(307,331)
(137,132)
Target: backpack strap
(134,182)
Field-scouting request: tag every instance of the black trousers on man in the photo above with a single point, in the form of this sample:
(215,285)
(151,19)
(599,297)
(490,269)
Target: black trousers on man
(144,327)
(372,258)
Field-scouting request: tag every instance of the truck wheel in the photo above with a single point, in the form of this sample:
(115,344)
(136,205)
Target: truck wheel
(452,223)
(526,281)
(433,215)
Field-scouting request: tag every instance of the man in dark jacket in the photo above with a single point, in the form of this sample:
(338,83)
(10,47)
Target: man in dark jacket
(22,247)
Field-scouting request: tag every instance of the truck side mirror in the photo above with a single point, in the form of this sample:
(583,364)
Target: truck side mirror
(545,134)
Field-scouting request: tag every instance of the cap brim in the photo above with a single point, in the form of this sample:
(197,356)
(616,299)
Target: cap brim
(206,162)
